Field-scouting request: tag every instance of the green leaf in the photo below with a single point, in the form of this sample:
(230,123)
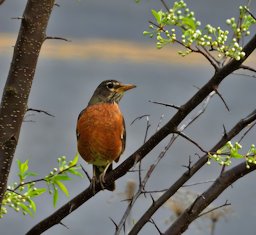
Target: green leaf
(24,167)
(55,196)
(32,204)
(62,187)
(40,191)
(26,209)
(75,160)
(189,23)
(19,164)
(75,172)
(157,15)
(30,173)
(36,193)
(235,154)
(61,177)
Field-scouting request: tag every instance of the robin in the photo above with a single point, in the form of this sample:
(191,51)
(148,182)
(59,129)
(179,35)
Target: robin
(101,129)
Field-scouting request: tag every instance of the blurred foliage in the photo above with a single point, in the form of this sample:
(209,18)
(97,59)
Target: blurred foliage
(20,195)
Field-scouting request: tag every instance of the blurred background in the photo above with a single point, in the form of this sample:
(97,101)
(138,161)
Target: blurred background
(107,43)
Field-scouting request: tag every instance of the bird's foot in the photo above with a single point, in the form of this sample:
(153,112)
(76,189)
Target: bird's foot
(94,180)
(102,180)
(93,183)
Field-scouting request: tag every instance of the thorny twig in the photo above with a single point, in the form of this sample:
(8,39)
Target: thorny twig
(42,179)
(216,208)
(190,140)
(58,38)
(138,118)
(247,68)
(246,132)
(39,111)
(153,166)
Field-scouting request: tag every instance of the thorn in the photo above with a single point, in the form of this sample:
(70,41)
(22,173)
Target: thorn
(39,111)
(221,97)
(116,226)
(86,173)
(63,225)
(153,200)
(58,38)
(250,13)
(153,222)
(71,208)
(224,131)
(164,104)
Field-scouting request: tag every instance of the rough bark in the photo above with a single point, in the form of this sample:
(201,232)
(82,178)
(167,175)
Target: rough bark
(17,88)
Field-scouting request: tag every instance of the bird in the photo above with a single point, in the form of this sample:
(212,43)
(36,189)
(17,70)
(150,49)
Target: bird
(100,130)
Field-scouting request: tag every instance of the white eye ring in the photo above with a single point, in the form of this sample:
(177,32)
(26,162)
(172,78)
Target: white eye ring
(110,85)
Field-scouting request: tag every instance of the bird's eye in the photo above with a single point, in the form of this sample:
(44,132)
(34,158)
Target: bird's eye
(110,85)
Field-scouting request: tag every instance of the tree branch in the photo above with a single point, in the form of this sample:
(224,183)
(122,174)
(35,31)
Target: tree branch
(57,38)
(248,68)
(190,172)
(40,111)
(222,182)
(190,140)
(153,141)
(17,88)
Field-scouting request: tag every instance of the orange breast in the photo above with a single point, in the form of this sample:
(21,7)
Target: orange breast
(100,129)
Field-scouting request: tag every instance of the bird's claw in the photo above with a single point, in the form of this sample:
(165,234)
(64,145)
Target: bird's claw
(102,180)
(94,180)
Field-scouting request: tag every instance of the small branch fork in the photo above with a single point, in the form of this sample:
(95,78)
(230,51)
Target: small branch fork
(143,182)
(141,188)
(203,51)
(190,140)
(39,111)
(214,209)
(153,141)
(57,38)
(222,182)
(245,67)
(41,179)
(190,172)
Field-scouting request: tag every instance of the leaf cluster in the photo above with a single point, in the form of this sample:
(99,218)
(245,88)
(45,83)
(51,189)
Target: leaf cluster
(224,155)
(20,196)
(180,25)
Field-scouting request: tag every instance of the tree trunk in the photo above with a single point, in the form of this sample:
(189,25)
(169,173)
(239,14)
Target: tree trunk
(17,88)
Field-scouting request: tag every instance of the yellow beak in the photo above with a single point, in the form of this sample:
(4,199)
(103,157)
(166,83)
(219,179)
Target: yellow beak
(125,87)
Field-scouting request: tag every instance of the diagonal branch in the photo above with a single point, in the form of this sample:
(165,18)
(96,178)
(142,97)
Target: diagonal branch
(153,141)
(222,182)
(190,172)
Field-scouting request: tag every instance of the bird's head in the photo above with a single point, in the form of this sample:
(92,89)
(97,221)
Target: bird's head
(110,91)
